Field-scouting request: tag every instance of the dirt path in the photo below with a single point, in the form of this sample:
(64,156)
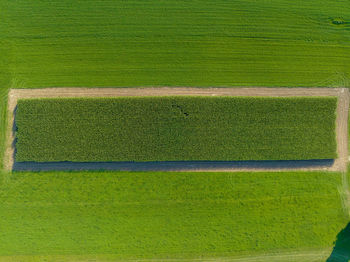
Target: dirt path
(340,164)
(318,255)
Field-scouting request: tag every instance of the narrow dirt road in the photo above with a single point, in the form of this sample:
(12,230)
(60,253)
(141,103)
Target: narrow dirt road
(339,164)
(317,255)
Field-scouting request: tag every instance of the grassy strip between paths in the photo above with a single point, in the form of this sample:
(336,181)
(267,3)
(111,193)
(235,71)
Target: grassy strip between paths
(3,123)
(175,128)
(168,215)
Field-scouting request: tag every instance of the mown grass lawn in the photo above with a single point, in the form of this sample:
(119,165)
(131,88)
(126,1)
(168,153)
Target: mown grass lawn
(173,215)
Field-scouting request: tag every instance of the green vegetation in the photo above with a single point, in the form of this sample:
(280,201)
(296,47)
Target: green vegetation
(110,215)
(158,215)
(341,249)
(3,112)
(175,43)
(175,128)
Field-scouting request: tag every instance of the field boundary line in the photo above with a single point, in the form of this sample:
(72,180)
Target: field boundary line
(285,256)
(340,164)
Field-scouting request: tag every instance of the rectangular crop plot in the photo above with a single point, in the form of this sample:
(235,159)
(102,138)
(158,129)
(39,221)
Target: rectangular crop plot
(178,128)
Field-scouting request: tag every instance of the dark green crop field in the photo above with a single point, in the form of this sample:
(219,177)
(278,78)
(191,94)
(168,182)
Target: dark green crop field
(175,128)
(174,42)
(118,216)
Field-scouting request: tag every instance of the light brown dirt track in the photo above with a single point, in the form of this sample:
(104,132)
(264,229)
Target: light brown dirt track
(340,164)
(319,255)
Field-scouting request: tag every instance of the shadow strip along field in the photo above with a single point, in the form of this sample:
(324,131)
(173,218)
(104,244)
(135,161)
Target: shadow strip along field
(175,129)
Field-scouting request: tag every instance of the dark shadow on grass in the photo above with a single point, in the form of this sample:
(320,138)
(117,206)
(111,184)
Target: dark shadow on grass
(341,250)
(14,126)
(172,165)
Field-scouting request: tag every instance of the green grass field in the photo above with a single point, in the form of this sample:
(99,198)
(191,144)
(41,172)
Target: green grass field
(111,216)
(175,128)
(168,215)
(3,119)
(174,42)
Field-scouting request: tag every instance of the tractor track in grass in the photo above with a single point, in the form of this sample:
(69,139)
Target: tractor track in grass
(340,164)
(283,256)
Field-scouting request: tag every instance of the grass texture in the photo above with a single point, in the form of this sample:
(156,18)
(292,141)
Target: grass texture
(175,43)
(175,128)
(168,215)
(3,123)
